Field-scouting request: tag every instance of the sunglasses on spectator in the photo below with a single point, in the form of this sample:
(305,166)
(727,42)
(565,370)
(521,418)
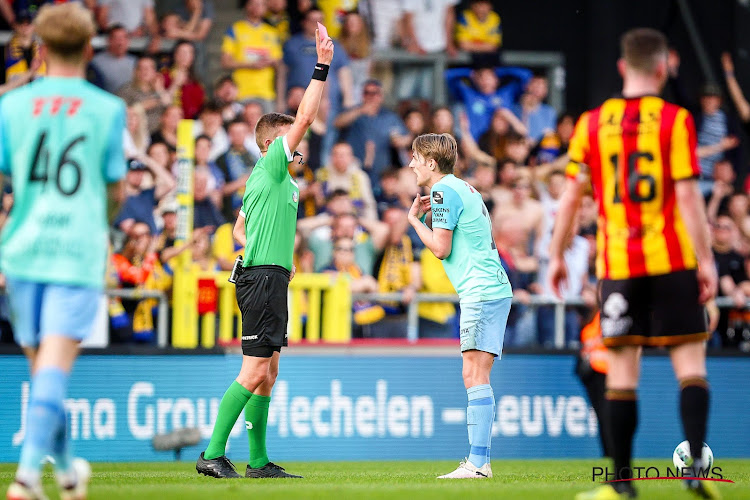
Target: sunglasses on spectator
(372,92)
(137,236)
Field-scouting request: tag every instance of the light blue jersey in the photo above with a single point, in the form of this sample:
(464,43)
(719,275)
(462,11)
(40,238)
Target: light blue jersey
(473,265)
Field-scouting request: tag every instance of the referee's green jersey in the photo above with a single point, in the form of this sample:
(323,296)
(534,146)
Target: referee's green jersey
(61,143)
(270,209)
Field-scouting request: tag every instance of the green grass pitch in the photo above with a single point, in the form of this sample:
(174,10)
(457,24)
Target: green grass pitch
(514,479)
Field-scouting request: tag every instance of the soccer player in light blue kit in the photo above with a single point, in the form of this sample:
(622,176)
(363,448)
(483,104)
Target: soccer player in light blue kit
(455,225)
(61,143)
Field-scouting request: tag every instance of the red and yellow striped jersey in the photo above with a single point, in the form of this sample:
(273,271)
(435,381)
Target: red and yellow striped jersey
(635,150)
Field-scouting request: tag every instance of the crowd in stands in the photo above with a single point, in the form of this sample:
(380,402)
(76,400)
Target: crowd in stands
(354,185)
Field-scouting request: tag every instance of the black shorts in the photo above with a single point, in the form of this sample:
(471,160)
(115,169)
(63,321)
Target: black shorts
(653,310)
(262,297)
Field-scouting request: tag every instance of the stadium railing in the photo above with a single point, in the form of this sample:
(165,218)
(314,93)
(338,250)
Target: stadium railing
(553,64)
(162,321)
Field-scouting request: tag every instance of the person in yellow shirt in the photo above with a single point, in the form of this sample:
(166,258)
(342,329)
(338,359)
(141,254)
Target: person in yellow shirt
(478,28)
(252,50)
(435,318)
(334,12)
(278,17)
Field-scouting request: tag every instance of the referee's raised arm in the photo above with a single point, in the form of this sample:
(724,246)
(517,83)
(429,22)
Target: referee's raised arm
(308,108)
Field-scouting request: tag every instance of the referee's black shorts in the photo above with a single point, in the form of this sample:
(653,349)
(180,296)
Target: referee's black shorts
(262,297)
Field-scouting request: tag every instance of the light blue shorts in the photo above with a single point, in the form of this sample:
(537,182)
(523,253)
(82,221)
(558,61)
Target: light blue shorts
(483,325)
(40,309)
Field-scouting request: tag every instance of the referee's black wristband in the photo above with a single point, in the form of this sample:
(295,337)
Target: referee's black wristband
(320,72)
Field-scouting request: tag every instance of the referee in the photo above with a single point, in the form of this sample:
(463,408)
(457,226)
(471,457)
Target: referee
(266,227)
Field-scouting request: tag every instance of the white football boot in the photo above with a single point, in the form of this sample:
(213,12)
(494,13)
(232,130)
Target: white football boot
(74,486)
(20,491)
(467,470)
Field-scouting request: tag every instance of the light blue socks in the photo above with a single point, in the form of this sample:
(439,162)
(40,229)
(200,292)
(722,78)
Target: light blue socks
(45,424)
(479,417)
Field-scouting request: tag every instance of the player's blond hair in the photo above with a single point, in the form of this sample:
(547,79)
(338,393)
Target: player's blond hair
(66,30)
(439,147)
(643,49)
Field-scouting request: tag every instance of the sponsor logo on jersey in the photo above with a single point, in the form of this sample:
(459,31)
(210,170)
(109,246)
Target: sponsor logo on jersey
(614,323)
(437,197)
(295,196)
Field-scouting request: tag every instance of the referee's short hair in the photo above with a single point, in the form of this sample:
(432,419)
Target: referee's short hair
(440,147)
(268,126)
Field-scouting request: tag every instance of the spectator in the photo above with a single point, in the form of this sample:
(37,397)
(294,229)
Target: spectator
(483,181)
(139,204)
(355,39)
(203,258)
(372,122)
(494,140)
(415,124)
(522,208)
(576,257)
(166,242)
(365,312)
(204,164)
(182,82)
(191,20)
(167,132)
(369,237)
(205,212)
(225,96)
(300,56)
(397,270)
(252,49)
(555,144)
(225,247)
(147,89)
(512,246)
(507,172)
(436,319)
(549,196)
(22,59)
(478,28)
(310,194)
(278,17)
(428,29)
(715,135)
(210,125)
(137,137)
(138,266)
(388,196)
(735,92)
(385,18)
(235,166)
(136,16)
(251,114)
(114,65)
(517,147)
(733,280)
(303,257)
(480,92)
(344,173)
(442,121)
(538,117)
(721,191)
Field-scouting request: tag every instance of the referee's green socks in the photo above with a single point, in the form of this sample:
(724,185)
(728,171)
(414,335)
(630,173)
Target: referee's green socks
(256,421)
(231,406)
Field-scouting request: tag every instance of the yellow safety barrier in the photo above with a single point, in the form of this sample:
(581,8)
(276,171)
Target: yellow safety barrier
(323,299)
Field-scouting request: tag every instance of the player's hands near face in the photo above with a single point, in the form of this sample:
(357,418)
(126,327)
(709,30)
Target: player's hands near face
(324,49)
(707,280)
(558,275)
(420,207)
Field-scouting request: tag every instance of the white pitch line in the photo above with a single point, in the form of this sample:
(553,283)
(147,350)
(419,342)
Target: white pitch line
(454,416)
